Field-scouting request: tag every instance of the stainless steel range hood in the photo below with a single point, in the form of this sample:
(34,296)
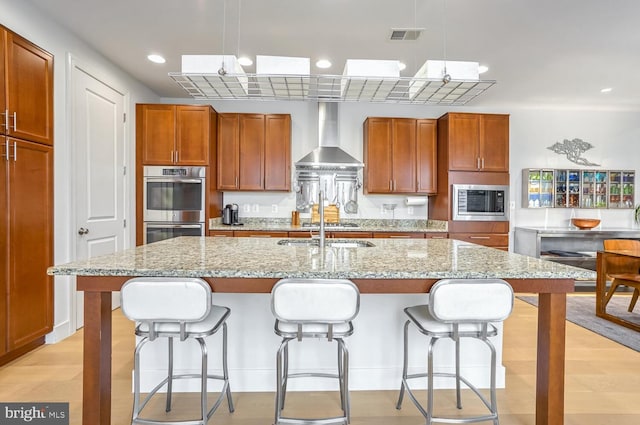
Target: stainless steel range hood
(328,154)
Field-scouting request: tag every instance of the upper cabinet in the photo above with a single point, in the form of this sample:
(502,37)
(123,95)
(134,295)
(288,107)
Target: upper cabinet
(254,152)
(476,142)
(399,155)
(174,134)
(26,95)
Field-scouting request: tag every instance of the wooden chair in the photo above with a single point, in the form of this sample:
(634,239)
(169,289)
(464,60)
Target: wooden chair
(623,270)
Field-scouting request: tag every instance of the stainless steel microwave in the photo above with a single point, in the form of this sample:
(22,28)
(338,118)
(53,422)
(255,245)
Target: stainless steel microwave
(473,202)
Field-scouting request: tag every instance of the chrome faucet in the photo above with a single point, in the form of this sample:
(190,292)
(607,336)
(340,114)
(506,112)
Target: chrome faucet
(321,212)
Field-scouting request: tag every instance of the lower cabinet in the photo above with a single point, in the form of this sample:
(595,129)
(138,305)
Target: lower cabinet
(398,235)
(259,234)
(26,245)
(493,240)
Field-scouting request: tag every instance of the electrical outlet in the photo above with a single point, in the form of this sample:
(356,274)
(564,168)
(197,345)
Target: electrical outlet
(512,205)
(409,210)
(256,208)
(274,208)
(247,208)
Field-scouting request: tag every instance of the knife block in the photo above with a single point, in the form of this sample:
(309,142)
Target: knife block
(331,214)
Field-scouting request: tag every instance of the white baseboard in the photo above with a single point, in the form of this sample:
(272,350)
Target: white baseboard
(60,331)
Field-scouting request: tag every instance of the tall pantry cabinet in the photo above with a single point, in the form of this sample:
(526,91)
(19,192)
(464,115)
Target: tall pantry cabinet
(26,195)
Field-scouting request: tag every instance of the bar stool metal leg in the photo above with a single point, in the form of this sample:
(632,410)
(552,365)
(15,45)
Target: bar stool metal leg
(404,365)
(458,399)
(225,368)
(169,374)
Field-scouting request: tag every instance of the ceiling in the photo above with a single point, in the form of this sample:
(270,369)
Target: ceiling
(542,53)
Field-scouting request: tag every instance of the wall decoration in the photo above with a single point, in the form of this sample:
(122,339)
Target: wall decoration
(573,149)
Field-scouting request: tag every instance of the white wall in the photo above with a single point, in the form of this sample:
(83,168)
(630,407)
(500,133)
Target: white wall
(615,136)
(30,23)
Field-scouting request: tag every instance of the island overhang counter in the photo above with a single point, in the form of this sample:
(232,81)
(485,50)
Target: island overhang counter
(253,265)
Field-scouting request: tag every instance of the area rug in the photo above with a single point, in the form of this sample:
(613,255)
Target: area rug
(581,310)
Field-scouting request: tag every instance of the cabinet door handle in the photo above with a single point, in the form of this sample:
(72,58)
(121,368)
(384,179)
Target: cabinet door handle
(482,163)
(177,160)
(6,151)
(436,237)
(479,237)
(172,157)
(399,236)
(15,151)
(478,163)
(6,119)
(259,236)
(236,182)
(15,121)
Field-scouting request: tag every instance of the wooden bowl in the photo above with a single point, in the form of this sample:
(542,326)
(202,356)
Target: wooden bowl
(585,223)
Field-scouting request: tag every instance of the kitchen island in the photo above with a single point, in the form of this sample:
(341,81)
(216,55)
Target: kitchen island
(246,265)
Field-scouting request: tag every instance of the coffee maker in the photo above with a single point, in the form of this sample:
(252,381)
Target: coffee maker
(230,215)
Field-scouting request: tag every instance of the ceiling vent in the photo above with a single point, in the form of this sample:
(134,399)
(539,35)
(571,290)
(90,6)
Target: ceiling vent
(405,34)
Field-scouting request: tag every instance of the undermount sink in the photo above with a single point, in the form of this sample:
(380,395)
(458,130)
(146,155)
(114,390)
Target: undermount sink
(332,243)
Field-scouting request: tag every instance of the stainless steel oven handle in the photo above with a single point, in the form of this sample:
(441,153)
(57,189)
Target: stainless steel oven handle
(174,226)
(165,180)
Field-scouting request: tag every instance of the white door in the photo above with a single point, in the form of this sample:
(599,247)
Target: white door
(99,161)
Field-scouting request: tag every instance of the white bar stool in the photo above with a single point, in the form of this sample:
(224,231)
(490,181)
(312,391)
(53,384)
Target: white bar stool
(175,308)
(458,308)
(313,308)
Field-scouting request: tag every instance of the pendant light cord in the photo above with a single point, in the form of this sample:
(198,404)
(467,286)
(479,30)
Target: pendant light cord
(445,76)
(239,10)
(222,70)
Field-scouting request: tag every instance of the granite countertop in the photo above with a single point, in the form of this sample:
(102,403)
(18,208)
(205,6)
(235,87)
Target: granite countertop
(578,232)
(264,258)
(362,225)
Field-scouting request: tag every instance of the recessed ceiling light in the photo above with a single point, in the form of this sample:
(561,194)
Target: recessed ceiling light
(245,61)
(156,59)
(323,63)
(482,69)
(402,66)
(606,90)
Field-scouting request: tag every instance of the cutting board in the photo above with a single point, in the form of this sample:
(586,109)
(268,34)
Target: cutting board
(331,214)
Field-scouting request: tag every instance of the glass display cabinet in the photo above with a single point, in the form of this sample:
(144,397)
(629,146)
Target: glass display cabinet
(560,188)
(621,189)
(539,188)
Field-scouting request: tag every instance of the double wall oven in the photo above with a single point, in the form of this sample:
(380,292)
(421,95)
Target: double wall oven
(173,202)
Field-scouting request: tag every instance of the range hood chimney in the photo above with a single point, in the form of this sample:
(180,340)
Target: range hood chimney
(328,154)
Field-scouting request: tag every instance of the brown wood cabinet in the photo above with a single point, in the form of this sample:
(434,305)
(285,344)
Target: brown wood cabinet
(494,240)
(254,152)
(26,99)
(475,142)
(221,233)
(259,234)
(181,135)
(399,155)
(399,235)
(26,237)
(426,156)
(174,134)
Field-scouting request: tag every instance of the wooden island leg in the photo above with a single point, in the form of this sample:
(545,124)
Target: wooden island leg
(96,382)
(552,312)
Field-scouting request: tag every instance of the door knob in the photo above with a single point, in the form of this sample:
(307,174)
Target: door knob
(83,231)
